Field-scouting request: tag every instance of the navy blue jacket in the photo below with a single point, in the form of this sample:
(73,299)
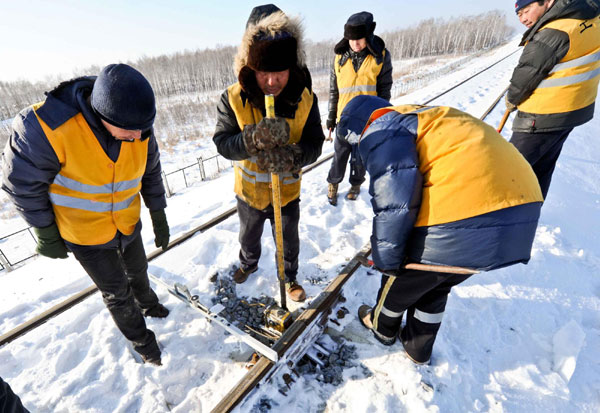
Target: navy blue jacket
(389,153)
(30,164)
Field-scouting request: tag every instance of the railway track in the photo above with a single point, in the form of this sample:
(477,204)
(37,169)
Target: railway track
(297,338)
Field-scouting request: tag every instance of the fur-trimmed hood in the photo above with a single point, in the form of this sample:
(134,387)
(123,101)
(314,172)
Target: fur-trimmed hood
(271,25)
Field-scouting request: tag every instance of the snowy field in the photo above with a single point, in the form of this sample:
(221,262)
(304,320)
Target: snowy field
(520,339)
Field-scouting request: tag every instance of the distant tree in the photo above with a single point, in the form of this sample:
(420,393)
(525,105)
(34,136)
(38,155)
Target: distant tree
(187,84)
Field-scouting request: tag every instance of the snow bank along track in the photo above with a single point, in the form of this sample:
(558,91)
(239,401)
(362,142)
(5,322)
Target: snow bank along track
(297,338)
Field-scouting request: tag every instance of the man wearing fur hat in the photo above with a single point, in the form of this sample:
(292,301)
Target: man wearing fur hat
(270,60)
(555,84)
(362,66)
(75,166)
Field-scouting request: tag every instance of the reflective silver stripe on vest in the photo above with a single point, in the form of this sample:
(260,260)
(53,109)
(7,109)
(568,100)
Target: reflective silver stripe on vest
(88,205)
(569,80)
(360,88)
(265,177)
(391,314)
(125,185)
(428,317)
(253,176)
(95,189)
(580,61)
(288,179)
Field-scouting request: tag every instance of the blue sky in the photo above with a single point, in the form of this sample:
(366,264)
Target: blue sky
(51,37)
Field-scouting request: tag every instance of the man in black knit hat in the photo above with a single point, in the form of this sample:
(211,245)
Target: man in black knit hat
(75,166)
(362,66)
(269,61)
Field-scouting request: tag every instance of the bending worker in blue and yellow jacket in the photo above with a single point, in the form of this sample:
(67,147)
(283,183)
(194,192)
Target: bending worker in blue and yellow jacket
(555,84)
(447,190)
(75,166)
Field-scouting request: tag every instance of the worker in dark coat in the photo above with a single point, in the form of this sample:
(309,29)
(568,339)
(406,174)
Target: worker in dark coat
(555,84)
(446,190)
(75,167)
(9,401)
(362,66)
(270,60)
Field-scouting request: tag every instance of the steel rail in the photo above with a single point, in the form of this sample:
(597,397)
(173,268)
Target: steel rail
(318,306)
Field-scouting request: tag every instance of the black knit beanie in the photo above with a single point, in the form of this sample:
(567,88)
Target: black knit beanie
(359,26)
(124,98)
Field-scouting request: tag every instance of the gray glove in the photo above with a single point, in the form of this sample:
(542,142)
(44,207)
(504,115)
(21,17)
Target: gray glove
(266,135)
(509,106)
(281,159)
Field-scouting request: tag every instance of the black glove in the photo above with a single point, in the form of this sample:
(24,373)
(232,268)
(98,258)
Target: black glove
(161,228)
(509,106)
(281,159)
(49,242)
(364,261)
(330,123)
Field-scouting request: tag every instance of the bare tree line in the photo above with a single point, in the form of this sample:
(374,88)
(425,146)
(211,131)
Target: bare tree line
(187,84)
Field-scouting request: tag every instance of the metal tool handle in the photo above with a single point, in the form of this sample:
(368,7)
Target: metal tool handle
(276,193)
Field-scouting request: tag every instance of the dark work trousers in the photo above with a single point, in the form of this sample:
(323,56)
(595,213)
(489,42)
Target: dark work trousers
(423,295)
(541,151)
(10,402)
(252,222)
(122,278)
(343,151)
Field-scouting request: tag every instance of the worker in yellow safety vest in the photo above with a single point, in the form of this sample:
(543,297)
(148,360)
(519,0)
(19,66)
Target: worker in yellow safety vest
(269,62)
(555,84)
(362,66)
(75,166)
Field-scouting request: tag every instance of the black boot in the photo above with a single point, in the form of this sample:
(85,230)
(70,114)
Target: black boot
(158,311)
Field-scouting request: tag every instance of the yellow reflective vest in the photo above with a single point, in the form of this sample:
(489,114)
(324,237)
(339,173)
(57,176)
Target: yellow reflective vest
(468,168)
(573,82)
(351,83)
(92,196)
(252,184)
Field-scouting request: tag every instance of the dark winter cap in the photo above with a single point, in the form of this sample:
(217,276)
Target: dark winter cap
(273,53)
(124,98)
(260,12)
(359,26)
(522,3)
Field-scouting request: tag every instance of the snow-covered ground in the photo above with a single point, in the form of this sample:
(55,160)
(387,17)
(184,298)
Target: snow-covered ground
(520,339)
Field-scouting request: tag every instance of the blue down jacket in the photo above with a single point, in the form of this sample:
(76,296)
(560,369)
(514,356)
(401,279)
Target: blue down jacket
(389,152)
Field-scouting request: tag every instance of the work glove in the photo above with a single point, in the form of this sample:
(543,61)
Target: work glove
(364,261)
(49,242)
(161,228)
(271,133)
(248,139)
(281,159)
(266,135)
(330,123)
(509,106)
